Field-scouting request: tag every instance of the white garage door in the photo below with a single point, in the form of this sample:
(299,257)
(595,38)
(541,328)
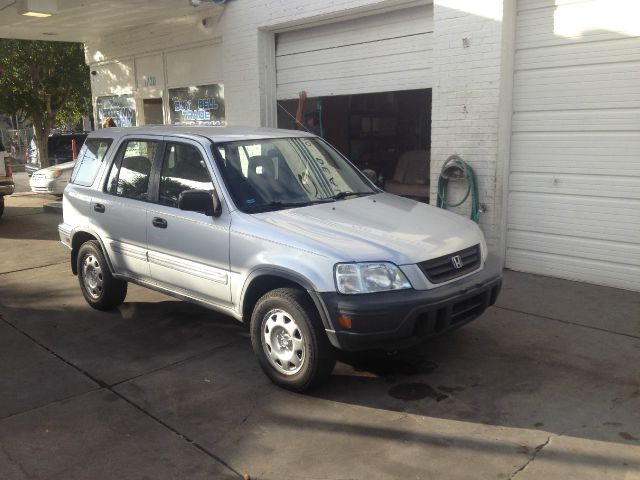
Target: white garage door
(376,53)
(574,187)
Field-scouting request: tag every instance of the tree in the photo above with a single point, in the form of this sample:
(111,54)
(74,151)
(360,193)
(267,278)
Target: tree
(46,82)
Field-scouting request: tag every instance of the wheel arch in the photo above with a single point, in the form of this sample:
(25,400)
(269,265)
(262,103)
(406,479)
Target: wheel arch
(79,237)
(266,279)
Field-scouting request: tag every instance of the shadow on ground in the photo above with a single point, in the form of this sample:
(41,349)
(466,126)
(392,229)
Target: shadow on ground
(503,370)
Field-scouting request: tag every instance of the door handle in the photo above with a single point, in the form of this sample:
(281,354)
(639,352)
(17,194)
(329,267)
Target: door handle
(98,207)
(159,222)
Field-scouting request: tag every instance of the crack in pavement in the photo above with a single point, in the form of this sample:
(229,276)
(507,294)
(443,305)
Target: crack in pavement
(141,409)
(34,268)
(568,322)
(533,456)
(16,463)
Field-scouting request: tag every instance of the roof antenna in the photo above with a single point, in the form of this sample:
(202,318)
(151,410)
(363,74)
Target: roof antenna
(294,118)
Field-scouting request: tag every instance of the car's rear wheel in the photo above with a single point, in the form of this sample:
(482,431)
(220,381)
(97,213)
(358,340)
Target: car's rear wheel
(288,338)
(100,289)
(1,205)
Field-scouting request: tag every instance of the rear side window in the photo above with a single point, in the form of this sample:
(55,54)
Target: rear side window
(129,175)
(183,168)
(89,160)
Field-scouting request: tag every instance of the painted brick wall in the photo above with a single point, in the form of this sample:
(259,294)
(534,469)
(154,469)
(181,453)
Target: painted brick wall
(467,100)
(246,77)
(243,27)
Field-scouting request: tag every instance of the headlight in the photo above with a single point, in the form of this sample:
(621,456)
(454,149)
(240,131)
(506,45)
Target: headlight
(54,173)
(369,277)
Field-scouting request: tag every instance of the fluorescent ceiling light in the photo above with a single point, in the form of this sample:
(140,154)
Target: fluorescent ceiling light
(36,14)
(37,8)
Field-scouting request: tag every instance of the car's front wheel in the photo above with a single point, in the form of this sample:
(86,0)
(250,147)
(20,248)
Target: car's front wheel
(288,338)
(100,289)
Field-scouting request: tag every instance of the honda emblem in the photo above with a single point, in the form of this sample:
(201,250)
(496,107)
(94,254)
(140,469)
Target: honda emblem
(456,261)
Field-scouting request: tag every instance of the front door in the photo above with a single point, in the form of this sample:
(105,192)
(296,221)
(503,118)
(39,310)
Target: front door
(188,251)
(119,210)
(152,111)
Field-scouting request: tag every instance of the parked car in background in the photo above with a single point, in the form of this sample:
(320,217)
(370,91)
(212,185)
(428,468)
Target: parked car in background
(60,150)
(52,180)
(7,185)
(278,230)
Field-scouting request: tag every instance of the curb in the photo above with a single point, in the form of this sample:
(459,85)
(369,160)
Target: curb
(53,207)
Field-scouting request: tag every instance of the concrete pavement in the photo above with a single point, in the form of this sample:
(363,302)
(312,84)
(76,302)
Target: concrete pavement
(545,385)
(21,180)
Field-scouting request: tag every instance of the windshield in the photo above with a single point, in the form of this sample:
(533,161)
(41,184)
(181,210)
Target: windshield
(269,174)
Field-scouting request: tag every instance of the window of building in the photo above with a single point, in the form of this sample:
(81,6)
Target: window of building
(120,108)
(197,105)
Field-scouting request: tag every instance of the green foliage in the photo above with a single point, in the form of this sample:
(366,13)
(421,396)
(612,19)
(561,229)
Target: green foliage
(46,82)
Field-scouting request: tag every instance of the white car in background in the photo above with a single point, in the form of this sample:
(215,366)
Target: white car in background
(52,180)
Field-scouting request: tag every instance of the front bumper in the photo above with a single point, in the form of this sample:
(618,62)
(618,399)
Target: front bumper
(52,186)
(401,318)
(7,187)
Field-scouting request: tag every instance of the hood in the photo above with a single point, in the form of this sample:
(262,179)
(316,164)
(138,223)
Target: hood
(374,228)
(64,167)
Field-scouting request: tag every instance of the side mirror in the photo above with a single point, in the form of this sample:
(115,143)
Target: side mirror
(203,201)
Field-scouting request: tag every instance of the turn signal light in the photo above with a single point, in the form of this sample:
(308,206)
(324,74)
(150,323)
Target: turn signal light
(344,321)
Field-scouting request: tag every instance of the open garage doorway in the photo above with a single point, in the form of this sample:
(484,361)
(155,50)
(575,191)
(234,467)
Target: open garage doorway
(387,135)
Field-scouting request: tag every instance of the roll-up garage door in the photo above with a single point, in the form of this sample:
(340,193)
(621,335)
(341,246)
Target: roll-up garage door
(377,53)
(574,186)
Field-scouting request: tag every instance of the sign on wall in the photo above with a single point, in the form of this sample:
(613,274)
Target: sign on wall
(122,108)
(198,105)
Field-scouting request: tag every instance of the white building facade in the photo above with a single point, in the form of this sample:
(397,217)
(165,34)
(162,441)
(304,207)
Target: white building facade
(540,97)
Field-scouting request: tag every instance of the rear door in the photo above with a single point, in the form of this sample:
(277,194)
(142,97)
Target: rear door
(188,251)
(119,209)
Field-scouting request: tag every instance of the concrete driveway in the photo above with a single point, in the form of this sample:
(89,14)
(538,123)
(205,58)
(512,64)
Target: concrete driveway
(545,385)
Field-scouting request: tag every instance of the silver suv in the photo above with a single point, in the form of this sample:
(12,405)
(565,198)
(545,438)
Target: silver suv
(276,229)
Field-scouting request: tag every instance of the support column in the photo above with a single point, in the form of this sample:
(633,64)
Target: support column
(472,95)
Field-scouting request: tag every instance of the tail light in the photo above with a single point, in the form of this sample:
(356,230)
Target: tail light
(7,169)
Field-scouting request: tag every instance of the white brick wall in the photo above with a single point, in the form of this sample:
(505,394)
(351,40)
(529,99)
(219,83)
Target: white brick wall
(468,101)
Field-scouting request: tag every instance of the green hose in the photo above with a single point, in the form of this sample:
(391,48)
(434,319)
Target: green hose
(453,162)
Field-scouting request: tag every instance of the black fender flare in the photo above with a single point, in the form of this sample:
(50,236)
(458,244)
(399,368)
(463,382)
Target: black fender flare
(291,276)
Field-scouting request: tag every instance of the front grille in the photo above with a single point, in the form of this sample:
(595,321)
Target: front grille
(442,269)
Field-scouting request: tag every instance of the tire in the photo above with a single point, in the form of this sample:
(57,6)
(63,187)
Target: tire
(289,340)
(100,289)
(1,205)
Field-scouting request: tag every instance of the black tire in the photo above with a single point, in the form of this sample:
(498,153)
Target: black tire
(1,205)
(318,354)
(108,292)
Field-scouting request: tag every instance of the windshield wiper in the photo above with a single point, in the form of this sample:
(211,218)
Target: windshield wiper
(277,205)
(345,194)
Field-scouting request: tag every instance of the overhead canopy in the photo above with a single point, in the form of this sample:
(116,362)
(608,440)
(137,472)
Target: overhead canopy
(85,21)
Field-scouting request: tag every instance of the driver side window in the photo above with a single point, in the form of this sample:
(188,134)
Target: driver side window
(129,176)
(183,168)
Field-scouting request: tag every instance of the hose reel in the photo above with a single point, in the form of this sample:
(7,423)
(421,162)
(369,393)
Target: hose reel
(456,170)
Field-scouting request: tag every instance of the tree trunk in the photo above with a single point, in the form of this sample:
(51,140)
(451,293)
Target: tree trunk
(41,131)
